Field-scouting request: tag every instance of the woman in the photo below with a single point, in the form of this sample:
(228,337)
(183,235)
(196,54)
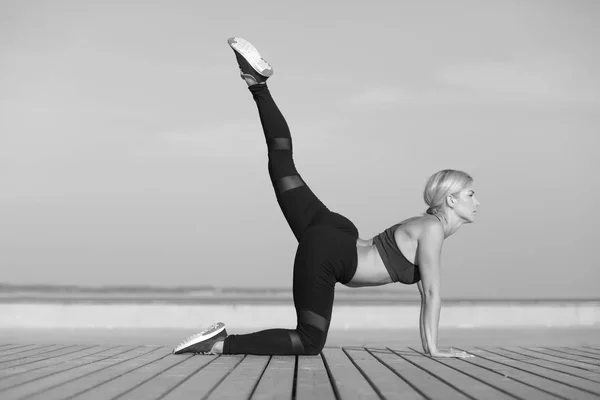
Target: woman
(329,249)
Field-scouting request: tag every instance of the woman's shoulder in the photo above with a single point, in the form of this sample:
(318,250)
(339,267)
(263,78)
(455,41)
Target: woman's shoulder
(418,226)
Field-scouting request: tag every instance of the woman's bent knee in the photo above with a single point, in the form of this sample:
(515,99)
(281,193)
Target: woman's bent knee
(314,345)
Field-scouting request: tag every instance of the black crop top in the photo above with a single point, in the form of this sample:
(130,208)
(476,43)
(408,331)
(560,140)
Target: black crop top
(399,268)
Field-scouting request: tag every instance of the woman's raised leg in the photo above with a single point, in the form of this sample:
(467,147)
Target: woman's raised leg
(297,202)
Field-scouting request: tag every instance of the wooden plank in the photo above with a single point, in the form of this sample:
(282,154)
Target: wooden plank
(12,346)
(77,368)
(534,358)
(32,349)
(388,384)
(451,374)
(581,351)
(494,378)
(21,367)
(204,381)
(277,380)
(40,356)
(545,369)
(169,378)
(31,354)
(240,383)
(17,349)
(312,380)
(349,383)
(85,383)
(566,356)
(132,380)
(512,376)
(554,359)
(541,378)
(586,366)
(424,383)
(591,349)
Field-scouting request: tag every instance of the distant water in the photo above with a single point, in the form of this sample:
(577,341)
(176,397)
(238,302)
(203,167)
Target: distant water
(206,294)
(182,294)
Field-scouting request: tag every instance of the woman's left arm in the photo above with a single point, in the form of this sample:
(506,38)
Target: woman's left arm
(421,319)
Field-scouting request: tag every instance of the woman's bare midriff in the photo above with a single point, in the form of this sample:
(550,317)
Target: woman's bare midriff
(370,270)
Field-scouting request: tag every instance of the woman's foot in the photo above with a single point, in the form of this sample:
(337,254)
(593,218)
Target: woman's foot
(253,68)
(209,341)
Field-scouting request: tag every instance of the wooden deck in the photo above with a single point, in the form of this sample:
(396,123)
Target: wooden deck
(152,372)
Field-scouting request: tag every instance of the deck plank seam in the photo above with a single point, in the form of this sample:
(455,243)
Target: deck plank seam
(119,376)
(511,377)
(222,378)
(295,377)
(14,348)
(44,352)
(434,375)
(25,351)
(154,376)
(580,349)
(474,377)
(555,362)
(192,374)
(570,353)
(363,373)
(48,358)
(259,378)
(56,372)
(336,391)
(11,346)
(558,356)
(534,373)
(416,389)
(186,378)
(546,367)
(591,351)
(89,373)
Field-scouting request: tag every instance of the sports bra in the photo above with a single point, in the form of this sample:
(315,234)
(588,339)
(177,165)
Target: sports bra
(397,265)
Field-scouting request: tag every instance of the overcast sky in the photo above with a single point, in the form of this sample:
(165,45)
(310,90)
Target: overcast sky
(132,153)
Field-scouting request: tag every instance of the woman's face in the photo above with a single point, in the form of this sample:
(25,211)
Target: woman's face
(465,204)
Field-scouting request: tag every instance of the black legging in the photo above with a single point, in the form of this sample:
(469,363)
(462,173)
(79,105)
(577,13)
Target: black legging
(326,247)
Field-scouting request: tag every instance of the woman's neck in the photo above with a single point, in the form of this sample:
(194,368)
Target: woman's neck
(451,223)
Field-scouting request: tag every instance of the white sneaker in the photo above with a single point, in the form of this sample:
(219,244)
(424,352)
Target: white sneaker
(250,61)
(202,342)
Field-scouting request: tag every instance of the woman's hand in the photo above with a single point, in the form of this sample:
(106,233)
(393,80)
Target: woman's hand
(451,352)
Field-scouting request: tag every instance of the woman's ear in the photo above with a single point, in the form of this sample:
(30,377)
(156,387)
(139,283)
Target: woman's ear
(450,200)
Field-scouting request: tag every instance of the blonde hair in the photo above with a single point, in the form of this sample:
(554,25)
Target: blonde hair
(442,184)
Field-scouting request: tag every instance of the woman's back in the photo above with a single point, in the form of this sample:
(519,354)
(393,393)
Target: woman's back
(371,269)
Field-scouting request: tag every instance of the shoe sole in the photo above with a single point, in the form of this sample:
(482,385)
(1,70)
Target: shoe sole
(251,55)
(202,336)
